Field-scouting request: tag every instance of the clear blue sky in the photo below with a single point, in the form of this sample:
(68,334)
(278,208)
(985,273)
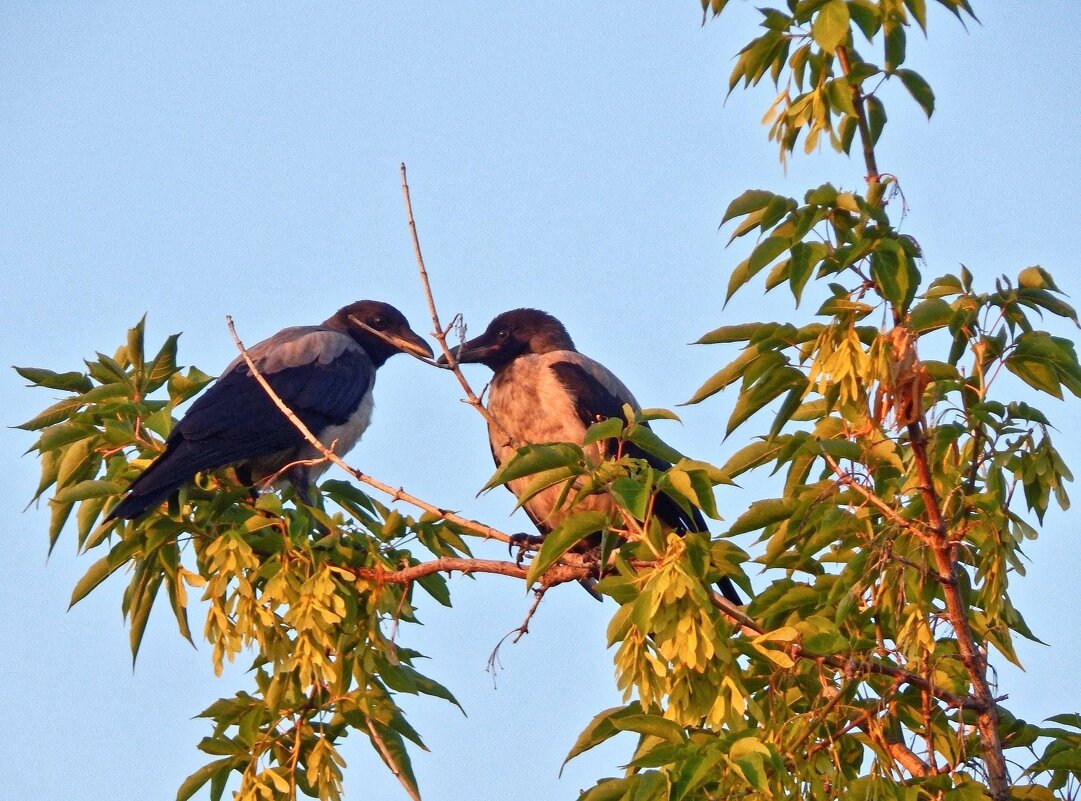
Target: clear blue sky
(191,162)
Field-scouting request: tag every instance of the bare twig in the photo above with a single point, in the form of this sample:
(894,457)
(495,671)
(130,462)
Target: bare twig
(438,331)
(846,478)
(518,633)
(557,574)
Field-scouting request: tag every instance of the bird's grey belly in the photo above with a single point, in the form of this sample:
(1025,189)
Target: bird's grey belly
(530,407)
(340,439)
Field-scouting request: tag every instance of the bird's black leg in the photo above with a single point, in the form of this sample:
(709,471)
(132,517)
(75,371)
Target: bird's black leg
(524,543)
(298,477)
(244,476)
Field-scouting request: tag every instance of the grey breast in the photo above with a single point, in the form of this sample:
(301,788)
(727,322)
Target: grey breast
(531,406)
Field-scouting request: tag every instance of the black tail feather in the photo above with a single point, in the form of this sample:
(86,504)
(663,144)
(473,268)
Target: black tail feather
(165,475)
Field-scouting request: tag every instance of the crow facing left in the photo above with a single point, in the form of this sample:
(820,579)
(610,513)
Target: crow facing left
(545,390)
(324,374)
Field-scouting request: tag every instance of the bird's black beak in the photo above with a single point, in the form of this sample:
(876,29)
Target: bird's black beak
(408,341)
(475,350)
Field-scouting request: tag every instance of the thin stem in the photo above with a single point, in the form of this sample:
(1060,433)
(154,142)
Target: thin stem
(438,331)
(945,558)
(873,176)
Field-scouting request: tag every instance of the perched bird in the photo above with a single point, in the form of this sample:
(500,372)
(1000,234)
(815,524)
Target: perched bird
(323,373)
(544,390)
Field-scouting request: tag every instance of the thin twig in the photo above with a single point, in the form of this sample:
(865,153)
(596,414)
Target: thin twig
(518,633)
(845,478)
(869,159)
(750,628)
(557,574)
(438,331)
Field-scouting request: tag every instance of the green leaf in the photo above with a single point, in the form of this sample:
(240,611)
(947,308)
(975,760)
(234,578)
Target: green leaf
(59,411)
(919,89)
(98,572)
(930,315)
(416,682)
(730,333)
(918,9)
(163,365)
(601,728)
(762,513)
(539,482)
(195,781)
(1034,277)
(614,789)
(751,200)
(652,725)
(69,382)
(755,397)
(436,586)
(606,429)
(142,602)
(1037,373)
(751,456)
(135,345)
(91,488)
(765,252)
(572,530)
(876,117)
(805,256)
(821,637)
(726,375)
(895,44)
(395,756)
(58,516)
(532,459)
(633,495)
(830,26)
(647,440)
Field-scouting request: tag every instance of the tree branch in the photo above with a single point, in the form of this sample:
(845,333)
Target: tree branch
(873,176)
(944,551)
(438,331)
(751,628)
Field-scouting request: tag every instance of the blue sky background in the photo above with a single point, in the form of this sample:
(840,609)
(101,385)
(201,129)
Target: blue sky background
(192,161)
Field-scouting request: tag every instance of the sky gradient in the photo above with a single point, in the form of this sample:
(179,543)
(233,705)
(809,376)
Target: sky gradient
(189,162)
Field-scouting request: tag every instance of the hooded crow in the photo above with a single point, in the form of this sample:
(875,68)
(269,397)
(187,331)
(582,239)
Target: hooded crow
(544,390)
(323,373)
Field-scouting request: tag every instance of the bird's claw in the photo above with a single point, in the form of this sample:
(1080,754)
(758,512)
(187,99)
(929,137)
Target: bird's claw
(524,543)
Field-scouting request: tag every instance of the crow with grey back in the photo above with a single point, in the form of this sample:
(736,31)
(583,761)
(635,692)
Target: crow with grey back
(323,373)
(544,390)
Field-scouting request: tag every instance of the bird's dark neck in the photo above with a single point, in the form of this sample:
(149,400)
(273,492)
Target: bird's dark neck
(378,350)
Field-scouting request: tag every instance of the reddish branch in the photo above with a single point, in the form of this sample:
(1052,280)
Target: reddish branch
(943,548)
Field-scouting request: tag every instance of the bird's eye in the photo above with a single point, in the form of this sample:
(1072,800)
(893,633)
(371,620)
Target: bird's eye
(378,322)
(502,334)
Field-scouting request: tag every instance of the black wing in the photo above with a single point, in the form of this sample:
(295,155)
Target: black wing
(235,420)
(594,401)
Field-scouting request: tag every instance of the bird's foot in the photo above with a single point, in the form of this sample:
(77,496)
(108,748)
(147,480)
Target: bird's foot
(524,543)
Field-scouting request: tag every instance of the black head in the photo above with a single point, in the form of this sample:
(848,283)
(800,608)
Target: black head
(380,329)
(512,334)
